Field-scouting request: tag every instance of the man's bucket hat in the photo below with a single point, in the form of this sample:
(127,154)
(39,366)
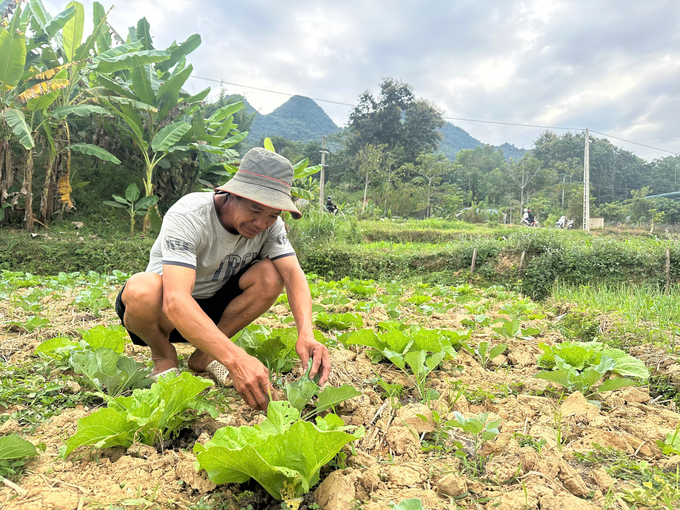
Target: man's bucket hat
(266,178)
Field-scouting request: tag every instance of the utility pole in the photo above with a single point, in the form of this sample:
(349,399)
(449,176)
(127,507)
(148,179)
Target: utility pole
(323,152)
(586,184)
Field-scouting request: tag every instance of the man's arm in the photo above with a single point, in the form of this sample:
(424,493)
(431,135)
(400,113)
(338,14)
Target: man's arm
(300,300)
(250,376)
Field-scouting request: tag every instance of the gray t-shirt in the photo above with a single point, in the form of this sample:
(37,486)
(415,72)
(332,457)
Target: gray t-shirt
(192,236)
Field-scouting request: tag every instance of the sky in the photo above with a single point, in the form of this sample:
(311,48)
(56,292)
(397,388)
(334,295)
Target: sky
(610,65)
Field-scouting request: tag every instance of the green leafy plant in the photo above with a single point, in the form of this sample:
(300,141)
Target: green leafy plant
(103,368)
(14,453)
(363,288)
(92,299)
(408,504)
(512,329)
(284,454)
(62,348)
(275,348)
(31,324)
(520,309)
(338,321)
(485,355)
(393,344)
(421,364)
(480,430)
(579,366)
(132,204)
(477,321)
(301,392)
(671,445)
(148,416)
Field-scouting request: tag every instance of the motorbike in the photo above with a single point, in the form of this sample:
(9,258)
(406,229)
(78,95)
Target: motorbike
(563,223)
(528,223)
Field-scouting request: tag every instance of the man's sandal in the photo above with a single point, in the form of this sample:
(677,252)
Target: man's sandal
(219,373)
(173,370)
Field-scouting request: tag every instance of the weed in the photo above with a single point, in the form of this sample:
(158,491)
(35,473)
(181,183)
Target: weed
(648,486)
(526,440)
(32,396)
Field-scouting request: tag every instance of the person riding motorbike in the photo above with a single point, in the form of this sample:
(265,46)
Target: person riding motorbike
(330,206)
(528,219)
(564,223)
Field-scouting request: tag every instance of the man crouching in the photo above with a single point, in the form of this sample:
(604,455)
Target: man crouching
(219,262)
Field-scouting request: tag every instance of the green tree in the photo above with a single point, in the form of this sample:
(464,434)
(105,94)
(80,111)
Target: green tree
(367,164)
(155,112)
(431,167)
(473,169)
(395,119)
(32,101)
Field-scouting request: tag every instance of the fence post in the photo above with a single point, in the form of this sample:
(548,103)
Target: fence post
(521,261)
(474,257)
(668,269)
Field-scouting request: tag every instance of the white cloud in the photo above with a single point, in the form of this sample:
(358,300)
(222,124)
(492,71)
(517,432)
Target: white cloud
(611,65)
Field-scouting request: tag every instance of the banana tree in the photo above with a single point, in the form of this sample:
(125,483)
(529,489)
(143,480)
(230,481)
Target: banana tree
(36,101)
(65,55)
(208,147)
(301,173)
(132,204)
(148,99)
(12,69)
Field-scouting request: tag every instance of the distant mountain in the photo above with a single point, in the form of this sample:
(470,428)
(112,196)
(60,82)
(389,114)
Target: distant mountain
(454,140)
(510,151)
(299,119)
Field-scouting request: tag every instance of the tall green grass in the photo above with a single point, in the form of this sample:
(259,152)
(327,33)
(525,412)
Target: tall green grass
(316,228)
(645,306)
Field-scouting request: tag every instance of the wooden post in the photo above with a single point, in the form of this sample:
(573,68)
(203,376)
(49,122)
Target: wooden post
(322,179)
(474,258)
(521,261)
(668,269)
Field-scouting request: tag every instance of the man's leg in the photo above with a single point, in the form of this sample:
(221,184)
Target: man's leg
(143,300)
(261,285)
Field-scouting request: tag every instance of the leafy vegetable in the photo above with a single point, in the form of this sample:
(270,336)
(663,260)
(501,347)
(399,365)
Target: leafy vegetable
(484,354)
(14,452)
(408,504)
(283,454)
(513,329)
(578,366)
(114,337)
(104,368)
(300,392)
(338,321)
(393,344)
(147,416)
(275,348)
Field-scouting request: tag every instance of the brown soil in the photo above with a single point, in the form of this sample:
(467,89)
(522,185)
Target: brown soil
(392,462)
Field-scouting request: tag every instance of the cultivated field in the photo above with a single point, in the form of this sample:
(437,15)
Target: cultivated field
(445,408)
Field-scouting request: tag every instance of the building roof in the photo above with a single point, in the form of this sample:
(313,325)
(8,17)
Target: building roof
(675,195)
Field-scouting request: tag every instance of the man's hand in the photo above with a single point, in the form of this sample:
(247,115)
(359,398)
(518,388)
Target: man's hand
(251,381)
(321,361)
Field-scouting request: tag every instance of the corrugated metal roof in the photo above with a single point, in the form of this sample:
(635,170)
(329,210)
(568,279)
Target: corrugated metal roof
(673,196)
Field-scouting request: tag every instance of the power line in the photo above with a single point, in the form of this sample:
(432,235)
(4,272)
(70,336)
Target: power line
(271,91)
(447,118)
(658,139)
(634,143)
(514,124)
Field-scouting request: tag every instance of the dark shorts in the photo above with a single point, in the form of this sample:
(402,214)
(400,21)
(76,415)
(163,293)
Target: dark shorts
(213,306)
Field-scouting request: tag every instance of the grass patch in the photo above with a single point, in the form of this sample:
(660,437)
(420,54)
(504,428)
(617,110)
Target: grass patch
(644,309)
(642,484)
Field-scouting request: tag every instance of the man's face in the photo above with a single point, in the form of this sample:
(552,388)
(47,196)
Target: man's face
(249,218)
